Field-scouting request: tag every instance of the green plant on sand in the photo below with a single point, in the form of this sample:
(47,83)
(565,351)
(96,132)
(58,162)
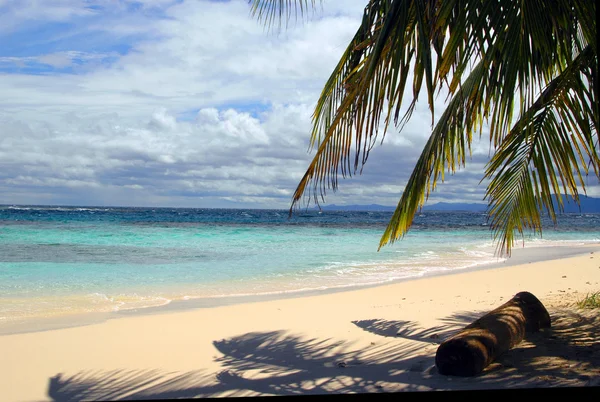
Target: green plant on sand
(591,300)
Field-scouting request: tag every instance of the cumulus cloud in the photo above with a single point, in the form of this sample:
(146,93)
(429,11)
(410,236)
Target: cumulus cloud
(224,154)
(181,103)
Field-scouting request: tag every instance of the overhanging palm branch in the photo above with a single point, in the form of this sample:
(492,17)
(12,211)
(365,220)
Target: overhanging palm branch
(527,69)
(277,11)
(548,147)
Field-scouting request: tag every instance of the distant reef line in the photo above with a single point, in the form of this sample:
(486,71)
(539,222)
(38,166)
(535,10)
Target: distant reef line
(587,205)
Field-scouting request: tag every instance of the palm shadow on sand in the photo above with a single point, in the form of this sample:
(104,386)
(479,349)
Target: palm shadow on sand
(410,330)
(280,363)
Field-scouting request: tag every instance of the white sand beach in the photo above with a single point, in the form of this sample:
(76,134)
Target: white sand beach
(377,339)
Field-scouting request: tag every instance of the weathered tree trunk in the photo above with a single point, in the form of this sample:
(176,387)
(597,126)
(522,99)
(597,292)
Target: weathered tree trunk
(480,343)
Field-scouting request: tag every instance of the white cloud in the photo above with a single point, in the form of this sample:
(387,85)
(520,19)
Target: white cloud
(208,54)
(224,154)
(200,106)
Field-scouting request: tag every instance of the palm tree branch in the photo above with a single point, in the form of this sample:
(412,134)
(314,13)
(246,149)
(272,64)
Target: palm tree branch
(276,11)
(372,72)
(539,155)
(447,146)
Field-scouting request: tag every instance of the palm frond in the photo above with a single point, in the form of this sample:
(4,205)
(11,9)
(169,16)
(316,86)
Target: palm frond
(447,147)
(545,153)
(272,12)
(368,81)
(529,69)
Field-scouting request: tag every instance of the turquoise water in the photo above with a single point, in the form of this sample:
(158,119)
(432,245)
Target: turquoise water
(59,260)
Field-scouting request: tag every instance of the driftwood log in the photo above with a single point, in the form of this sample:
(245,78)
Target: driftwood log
(470,351)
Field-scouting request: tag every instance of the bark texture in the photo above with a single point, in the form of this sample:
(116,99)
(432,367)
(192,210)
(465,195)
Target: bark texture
(470,351)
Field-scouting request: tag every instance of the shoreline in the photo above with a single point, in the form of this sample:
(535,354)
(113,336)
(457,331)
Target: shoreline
(524,256)
(520,256)
(371,340)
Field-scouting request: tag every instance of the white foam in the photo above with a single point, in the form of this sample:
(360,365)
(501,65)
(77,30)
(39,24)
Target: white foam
(537,242)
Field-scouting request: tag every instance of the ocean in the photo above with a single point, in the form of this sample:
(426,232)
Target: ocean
(59,261)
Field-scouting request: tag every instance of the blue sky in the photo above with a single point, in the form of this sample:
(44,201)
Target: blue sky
(185,103)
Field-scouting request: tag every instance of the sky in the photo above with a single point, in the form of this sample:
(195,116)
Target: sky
(182,103)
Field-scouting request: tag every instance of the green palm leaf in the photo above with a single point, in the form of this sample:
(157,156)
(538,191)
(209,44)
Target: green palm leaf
(447,147)
(545,153)
(277,11)
(527,70)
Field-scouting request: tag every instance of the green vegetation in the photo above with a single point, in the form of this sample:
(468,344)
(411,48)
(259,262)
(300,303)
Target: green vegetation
(524,72)
(590,301)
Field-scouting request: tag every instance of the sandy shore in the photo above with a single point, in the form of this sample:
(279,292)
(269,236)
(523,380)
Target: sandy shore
(379,339)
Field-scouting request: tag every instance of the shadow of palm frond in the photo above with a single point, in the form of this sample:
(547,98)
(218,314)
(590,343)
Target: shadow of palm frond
(568,353)
(97,385)
(569,350)
(280,363)
(123,385)
(274,349)
(263,363)
(410,330)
